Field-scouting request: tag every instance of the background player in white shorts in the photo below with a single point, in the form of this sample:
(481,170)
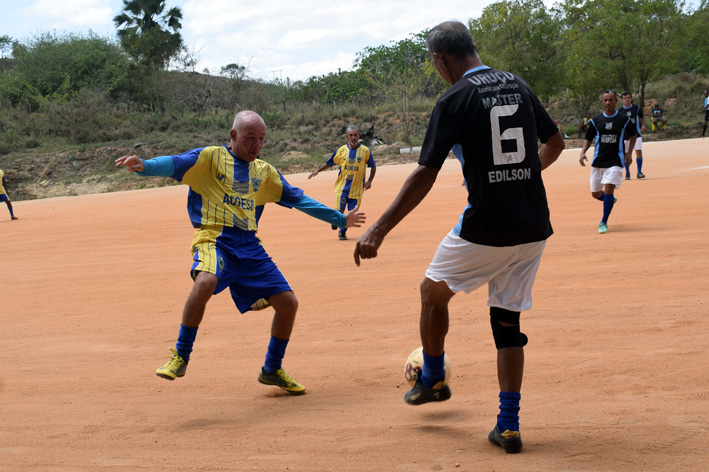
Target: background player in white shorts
(637,118)
(497,120)
(608,131)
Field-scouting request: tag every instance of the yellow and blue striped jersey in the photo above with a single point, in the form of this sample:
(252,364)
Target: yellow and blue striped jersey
(226,191)
(2,182)
(353,163)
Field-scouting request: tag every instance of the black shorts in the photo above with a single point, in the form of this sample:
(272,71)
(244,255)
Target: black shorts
(706,115)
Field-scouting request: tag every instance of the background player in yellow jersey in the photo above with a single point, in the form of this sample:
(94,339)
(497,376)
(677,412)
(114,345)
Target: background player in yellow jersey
(4,197)
(229,187)
(353,158)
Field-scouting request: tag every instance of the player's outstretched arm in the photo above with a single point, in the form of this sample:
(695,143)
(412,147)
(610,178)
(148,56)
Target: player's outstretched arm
(415,188)
(322,167)
(133,163)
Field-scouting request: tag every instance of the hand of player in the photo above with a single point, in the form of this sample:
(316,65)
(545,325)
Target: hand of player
(583,158)
(368,245)
(355,218)
(313,174)
(629,158)
(133,163)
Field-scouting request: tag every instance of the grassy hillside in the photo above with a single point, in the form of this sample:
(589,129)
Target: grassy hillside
(41,159)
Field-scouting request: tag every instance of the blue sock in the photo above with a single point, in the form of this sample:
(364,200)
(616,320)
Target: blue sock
(508,419)
(433,370)
(627,169)
(185,340)
(274,355)
(639,162)
(608,201)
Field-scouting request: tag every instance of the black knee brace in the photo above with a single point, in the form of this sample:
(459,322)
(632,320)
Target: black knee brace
(506,336)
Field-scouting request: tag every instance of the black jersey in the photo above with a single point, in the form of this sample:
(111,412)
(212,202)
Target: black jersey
(634,112)
(608,134)
(496,118)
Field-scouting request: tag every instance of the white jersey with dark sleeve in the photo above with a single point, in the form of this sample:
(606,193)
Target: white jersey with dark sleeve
(497,119)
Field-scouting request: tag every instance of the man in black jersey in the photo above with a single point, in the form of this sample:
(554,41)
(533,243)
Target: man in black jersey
(637,117)
(497,120)
(608,131)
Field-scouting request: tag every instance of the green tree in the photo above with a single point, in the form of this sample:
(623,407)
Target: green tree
(522,37)
(52,67)
(5,45)
(697,46)
(399,73)
(620,43)
(148,32)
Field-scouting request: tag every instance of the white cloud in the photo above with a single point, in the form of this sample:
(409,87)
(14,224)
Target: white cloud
(274,37)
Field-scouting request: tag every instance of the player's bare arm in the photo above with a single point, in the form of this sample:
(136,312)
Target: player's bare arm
(416,187)
(550,151)
(586,145)
(322,167)
(133,163)
(368,183)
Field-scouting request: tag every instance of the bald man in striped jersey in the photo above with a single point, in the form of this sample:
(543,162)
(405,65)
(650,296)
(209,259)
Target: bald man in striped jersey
(229,187)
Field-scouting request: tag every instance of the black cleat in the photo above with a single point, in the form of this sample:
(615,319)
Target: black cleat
(641,175)
(342,236)
(510,441)
(420,394)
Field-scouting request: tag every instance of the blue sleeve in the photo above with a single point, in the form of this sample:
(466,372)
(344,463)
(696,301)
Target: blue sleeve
(162,166)
(370,161)
(331,161)
(317,210)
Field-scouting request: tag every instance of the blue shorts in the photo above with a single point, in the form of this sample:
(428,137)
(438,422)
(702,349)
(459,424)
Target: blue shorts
(3,198)
(346,203)
(241,263)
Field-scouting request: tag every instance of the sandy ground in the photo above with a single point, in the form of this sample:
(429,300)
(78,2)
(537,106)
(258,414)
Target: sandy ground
(616,378)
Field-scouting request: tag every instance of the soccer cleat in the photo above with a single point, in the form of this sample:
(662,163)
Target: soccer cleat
(641,175)
(174,368)
(280,379)
(627,176)
(334,227)
(420,394)
(602,228)
(14,217)
(342,236)
(510,441)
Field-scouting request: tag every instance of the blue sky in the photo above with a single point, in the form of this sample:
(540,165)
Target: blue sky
(274,38)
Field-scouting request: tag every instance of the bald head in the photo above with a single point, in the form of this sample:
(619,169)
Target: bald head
(247,117)
(248,134)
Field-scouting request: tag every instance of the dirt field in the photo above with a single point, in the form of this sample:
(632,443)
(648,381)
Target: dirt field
(616,377)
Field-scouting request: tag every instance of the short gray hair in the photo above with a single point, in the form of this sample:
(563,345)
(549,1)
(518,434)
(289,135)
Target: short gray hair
(352,128)
(451,37)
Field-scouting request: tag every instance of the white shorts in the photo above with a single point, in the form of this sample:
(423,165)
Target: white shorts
(638,144)
(609,175)
(508,271)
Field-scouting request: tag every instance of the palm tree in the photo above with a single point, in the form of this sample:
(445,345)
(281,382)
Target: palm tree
(143,29)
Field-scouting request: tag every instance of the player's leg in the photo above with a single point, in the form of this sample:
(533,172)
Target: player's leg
(433,327)
(192,313)
(510,292)
(350,204)
(639,157)
(4,198)
(626,144)
(272,373)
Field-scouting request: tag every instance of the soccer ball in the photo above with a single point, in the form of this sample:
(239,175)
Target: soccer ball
(414,364)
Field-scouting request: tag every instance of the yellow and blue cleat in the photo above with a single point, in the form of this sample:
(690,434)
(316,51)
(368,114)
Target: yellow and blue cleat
(282,380)
(174,368)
